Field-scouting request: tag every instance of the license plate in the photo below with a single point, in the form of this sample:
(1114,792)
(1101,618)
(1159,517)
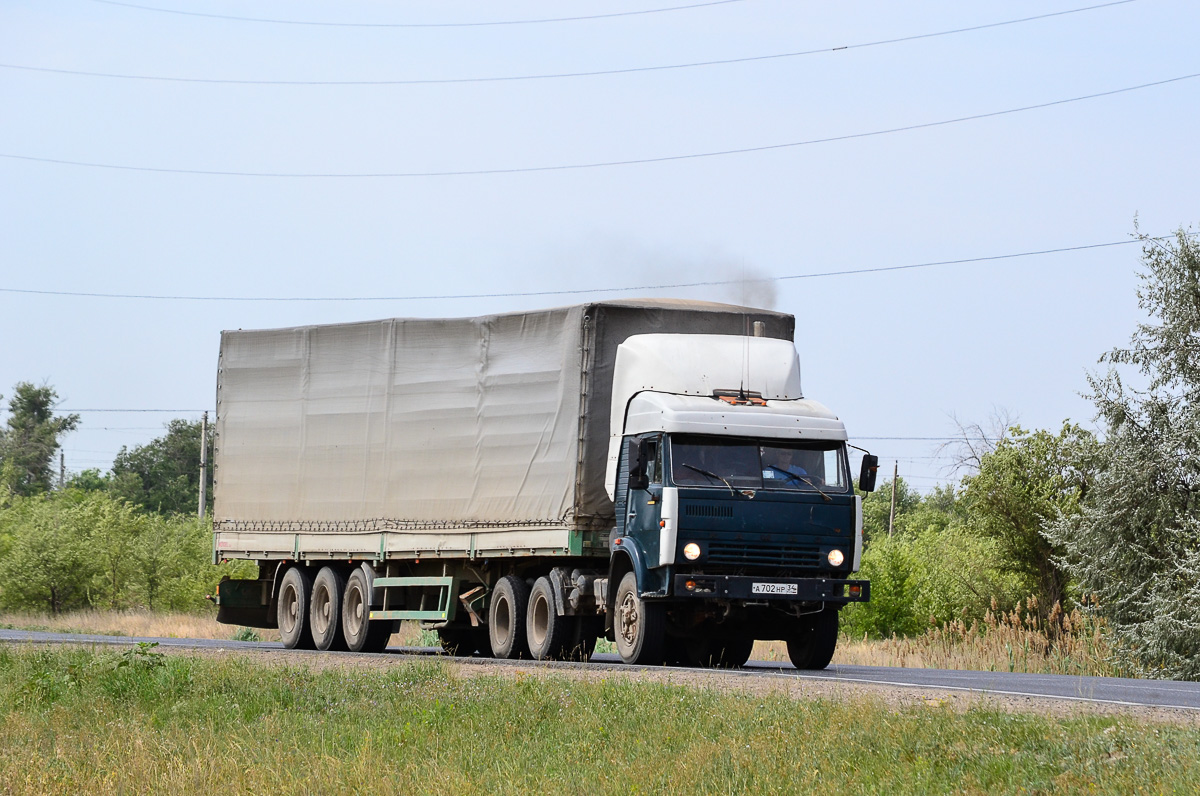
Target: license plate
(773,588)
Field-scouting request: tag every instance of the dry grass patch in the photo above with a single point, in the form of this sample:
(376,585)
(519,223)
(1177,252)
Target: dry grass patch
(142,624)
(1018,641)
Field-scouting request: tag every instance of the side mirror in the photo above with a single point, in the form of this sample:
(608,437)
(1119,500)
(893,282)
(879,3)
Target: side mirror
(638,477)
(866,476)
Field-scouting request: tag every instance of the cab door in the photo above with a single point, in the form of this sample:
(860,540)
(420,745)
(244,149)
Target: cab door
(644,506)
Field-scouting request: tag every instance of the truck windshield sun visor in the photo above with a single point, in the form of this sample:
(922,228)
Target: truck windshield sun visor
(818,467)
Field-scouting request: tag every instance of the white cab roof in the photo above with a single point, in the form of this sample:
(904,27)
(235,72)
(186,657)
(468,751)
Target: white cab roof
(665,382)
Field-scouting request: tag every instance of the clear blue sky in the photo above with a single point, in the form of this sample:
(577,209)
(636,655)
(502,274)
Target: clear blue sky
(893,353)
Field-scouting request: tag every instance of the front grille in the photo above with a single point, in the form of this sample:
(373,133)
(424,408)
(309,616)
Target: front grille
(707,510)
(764,554)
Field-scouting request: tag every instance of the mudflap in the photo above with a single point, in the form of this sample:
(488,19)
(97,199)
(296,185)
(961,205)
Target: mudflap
(246,603)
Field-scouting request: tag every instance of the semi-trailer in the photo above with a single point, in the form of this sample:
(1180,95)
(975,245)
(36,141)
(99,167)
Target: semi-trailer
(648,471)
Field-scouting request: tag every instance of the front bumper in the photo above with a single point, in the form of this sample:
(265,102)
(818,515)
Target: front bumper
(746,587)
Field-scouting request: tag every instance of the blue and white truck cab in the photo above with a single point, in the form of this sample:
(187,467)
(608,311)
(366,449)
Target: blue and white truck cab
(736,516)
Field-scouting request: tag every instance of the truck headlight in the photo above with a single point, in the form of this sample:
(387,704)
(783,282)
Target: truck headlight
(835,558)
(691,551)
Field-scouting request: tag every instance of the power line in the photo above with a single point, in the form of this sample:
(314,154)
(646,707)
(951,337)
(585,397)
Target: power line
(598,164)
(68,409)
(193,411)
(86,429)
(913,439)
(595,73)
(494,23)
(533,293)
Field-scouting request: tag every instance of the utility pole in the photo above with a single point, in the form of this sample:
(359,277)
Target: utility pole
(62,469)
(892,514)
(203,463)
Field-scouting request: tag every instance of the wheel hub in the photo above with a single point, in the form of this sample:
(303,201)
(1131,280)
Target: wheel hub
(629,619)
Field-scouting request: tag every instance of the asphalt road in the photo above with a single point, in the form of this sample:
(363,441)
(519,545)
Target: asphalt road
(1106,690)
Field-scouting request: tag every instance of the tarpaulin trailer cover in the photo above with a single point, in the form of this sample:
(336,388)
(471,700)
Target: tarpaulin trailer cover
(412,436)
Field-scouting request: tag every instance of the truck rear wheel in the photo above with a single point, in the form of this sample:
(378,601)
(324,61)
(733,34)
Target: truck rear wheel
(546,631)
(295,591)
(362,633)
(721,653)
(325,610)
(640,627)
(506,618)
(813,647)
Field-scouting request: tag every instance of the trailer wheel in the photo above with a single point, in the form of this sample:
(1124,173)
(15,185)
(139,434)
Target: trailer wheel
(325,609)
(362,633)
(506,618)
(813,647)
(547,632)
(640,627)
(295,591)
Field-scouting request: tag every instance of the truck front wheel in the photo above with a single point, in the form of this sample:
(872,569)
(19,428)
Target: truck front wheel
(640,627)
(362,633)
(295,591)
(813,646)
(506,618)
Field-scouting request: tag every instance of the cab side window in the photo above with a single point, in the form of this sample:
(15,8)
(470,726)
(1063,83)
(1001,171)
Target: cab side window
(654,460)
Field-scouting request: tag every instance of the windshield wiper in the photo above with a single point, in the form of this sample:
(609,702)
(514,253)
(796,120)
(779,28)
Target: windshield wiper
(799,478)
(732,491)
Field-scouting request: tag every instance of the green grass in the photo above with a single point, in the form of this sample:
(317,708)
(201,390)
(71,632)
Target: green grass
(74,721)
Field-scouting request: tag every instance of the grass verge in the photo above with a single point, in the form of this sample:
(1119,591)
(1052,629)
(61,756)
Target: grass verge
(76,721)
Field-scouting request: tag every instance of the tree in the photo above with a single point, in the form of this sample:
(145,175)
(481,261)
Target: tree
(30,439)
(1136,543)
(1025,483)
(164,475)
(47,562)
(892,568)
(973,441)
(877,507)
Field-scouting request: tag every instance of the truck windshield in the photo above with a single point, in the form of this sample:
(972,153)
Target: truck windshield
(759,464)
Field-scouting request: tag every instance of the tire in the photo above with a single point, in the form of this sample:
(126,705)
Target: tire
(295,592)
(465,642)
(546,631)
(325,610)
(721,653)
(581,639)
(506,618)
(678,652)
(732,653)
(640,627)
(813,647)
(361,633)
